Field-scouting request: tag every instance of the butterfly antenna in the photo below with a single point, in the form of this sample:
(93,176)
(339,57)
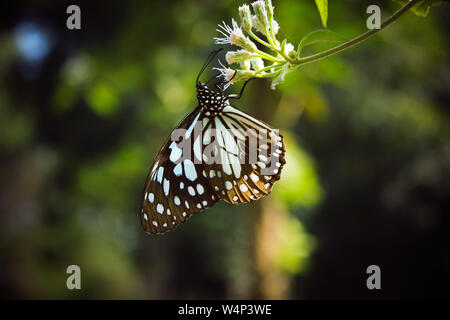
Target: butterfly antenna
(214,76)
(207,62)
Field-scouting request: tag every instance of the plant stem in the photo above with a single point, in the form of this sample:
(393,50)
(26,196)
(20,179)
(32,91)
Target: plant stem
(254,36)
(275,65)
(356,40)
(267,56)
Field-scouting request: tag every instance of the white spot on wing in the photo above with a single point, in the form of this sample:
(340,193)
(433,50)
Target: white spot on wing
(178,170)
(189,170)
(191,127)
(254,177)
(176,152)
(243,188)
(166,187)
(160,174)
(197,150)
(200,189)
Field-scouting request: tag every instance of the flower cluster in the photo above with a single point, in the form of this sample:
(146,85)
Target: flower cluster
(257,27)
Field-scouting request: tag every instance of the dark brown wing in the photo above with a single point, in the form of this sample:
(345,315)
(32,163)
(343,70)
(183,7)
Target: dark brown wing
(229,167)
(176,188)
(247,171)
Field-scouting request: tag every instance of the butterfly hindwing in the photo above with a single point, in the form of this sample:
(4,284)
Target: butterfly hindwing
(240,178)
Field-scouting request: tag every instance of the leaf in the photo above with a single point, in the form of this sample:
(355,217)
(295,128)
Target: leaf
(283,45)
(321,35)
(280,77)
(322,6)
(422,7)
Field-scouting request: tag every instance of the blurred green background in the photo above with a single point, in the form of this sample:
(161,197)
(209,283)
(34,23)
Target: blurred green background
(83,113)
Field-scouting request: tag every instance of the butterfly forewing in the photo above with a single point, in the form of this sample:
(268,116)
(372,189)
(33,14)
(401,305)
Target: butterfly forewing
(176,187)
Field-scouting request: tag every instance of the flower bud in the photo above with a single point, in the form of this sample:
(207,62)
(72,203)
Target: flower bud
(233,76)
(238,39)
(246,17)
(257,63)
(289,50)
(260,28)
(269,9)
(245,65)
(237,56)
(275,26)
(241,75)
(261,14)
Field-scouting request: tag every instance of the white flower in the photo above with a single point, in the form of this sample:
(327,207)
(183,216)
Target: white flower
(234,35)
(257,63)
(237,56)
(276,26)
(246,65)
(226,73)
(288,48)
(260,28)
(231,76)
(226,32)
(261,14)
(246,17)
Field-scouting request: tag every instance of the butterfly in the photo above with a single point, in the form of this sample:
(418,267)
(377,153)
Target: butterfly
(216,152)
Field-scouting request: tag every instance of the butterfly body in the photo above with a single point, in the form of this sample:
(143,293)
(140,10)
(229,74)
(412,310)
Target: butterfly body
(208,157)
(210,101)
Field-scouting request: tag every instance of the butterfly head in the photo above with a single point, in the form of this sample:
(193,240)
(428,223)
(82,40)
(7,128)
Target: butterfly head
(209,99)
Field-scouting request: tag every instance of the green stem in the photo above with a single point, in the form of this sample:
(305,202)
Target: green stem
(254,36)
(266,56)
(269,74)
(356,40)
(275,65)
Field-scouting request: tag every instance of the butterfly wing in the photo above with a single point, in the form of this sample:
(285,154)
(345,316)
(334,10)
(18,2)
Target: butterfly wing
(175,188)
(239,178)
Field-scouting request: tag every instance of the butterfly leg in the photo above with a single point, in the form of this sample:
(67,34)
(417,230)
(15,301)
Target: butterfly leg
(238,96)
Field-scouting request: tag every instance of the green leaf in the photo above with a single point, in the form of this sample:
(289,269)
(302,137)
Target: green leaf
(422,7)
(280,77)
(321,35)
(322,6)
(283,45)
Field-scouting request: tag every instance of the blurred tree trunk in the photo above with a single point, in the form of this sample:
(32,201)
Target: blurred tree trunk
(267,218)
